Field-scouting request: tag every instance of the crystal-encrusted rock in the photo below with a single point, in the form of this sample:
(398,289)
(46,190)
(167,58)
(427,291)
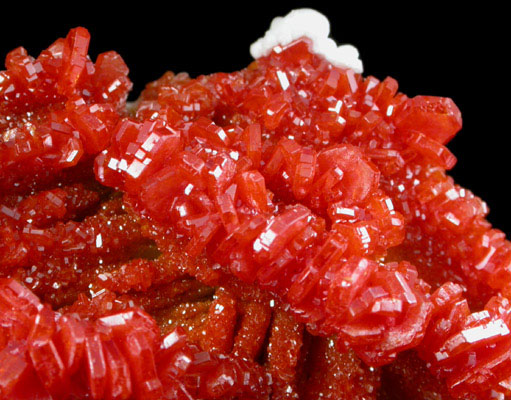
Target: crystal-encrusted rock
(314,200)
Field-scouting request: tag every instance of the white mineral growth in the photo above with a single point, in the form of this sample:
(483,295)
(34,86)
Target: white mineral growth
(314,25)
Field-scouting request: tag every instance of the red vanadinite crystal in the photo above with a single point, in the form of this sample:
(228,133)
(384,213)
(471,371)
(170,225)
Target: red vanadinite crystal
(57,109)
(264,231)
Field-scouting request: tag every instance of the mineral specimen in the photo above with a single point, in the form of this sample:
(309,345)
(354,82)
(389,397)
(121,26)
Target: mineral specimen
(284,231)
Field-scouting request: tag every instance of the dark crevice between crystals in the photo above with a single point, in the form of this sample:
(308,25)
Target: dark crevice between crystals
(408,379)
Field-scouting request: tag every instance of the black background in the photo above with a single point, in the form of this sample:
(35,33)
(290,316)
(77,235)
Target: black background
(433,49)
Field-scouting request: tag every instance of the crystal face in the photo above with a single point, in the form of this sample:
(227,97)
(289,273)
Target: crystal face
(284,231)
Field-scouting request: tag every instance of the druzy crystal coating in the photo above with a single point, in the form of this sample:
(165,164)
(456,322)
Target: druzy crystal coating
(283,231)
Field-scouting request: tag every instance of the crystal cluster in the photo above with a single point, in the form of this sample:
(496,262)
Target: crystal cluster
(122,355)
(239,236)
(57,109)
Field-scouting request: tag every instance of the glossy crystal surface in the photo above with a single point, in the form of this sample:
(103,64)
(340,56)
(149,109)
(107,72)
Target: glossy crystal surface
(278,232)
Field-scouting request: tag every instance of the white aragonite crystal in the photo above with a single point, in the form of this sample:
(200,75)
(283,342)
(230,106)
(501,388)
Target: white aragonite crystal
(314,25)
